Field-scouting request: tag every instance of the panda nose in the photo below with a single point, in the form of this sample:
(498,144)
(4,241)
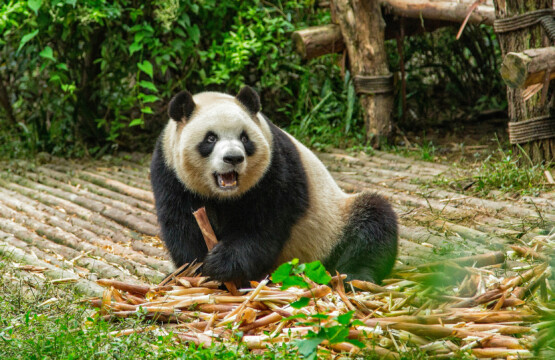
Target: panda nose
(233,159)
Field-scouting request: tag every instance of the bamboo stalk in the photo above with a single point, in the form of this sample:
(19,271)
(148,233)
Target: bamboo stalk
(211,240)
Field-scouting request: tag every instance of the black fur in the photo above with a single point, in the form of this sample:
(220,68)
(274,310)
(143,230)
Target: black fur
(250,99)
(181,106)
(205,147)
(250,234)
(368,246)
(248,145)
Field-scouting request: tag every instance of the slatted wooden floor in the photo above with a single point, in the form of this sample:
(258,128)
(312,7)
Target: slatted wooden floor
(96,219)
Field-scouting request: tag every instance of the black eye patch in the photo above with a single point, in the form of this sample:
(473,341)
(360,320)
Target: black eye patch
(247,144)
(206,146)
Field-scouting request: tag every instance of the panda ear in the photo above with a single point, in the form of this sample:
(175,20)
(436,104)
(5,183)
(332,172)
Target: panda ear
(249,99)
(181,106)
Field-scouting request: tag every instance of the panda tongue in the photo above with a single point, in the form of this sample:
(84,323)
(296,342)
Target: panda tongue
(228,179)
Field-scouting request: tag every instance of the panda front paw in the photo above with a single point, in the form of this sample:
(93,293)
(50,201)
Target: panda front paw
(223,264)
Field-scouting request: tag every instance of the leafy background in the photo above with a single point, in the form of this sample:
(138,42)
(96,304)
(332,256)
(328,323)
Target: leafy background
(91,77)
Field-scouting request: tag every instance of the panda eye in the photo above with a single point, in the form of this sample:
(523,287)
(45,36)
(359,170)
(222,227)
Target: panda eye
(244,138)
(211,138)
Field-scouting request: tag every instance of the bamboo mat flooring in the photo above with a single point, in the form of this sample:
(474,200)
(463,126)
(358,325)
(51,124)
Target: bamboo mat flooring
(86,220)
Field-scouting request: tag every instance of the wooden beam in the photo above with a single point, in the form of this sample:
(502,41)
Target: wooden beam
(522,69)
(318,40)
(440,10)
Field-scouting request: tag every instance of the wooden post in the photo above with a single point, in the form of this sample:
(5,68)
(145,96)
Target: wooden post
(519,41)
(363,30)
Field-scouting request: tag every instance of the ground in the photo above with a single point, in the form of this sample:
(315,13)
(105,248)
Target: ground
(77,221)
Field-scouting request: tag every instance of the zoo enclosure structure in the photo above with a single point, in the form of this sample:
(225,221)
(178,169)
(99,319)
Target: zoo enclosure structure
(360,27)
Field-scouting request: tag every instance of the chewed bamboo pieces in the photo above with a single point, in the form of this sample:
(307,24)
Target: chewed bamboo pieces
(440,309)
(395,316)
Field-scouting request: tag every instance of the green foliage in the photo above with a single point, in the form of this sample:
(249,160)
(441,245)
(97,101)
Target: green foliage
(290,274)
(92,76)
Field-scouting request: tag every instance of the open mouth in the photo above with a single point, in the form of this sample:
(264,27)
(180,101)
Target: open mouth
(227,181)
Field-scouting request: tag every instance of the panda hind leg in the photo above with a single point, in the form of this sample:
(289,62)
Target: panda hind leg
(368,245)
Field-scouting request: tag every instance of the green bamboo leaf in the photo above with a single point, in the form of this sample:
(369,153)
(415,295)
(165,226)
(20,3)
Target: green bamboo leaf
(26,38)
(147,110)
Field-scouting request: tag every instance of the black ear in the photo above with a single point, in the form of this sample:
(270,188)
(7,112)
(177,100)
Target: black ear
(181,106)
(249,98)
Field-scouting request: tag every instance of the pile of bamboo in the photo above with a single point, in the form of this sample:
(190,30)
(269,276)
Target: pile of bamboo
(441,308)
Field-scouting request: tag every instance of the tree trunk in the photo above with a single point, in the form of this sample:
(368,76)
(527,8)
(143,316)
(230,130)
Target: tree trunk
(363,31)
(519,108)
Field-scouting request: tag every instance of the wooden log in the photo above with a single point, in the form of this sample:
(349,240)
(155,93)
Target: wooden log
(318,40)
(440,10)
(327,39)
(522,69)
(363,29)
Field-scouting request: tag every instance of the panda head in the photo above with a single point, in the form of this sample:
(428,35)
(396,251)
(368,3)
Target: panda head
(218,145)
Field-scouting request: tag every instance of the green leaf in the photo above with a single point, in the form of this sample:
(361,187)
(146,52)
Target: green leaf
(294,281)
(194,33)
(316,272)
(62,66)
(282,272)
(301,303)
(136,122)
(336,334)
(47,53)
(148,85)
(146,67)
(320,316)
(147,110)
(146,98)
(355,343)
(308,347)
(135,47)
(298,316)
(345,318)
(34,5)
(26,38)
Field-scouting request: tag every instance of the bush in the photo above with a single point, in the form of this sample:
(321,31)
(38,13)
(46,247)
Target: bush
(93,76)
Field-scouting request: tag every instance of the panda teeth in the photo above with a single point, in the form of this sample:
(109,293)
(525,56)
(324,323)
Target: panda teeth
(226,181)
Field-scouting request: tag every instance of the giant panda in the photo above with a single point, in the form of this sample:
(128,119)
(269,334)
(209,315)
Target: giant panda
(269,198)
